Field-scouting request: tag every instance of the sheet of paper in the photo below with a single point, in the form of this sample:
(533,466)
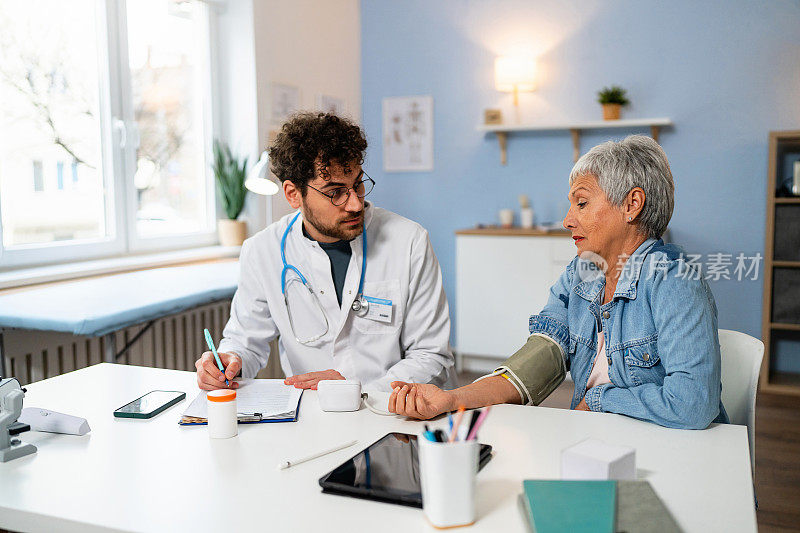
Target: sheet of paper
(269,397)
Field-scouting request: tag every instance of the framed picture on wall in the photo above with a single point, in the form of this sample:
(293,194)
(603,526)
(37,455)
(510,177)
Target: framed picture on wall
(285,101)
(408,134)
(331,104)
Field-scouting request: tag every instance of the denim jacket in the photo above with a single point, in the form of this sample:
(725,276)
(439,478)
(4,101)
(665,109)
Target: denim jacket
(660,332)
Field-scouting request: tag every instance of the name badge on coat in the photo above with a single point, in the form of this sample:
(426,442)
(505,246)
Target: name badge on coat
(379,309)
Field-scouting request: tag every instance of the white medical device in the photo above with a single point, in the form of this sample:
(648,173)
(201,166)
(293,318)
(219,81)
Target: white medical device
(11,395)
(54,422)
(339,394)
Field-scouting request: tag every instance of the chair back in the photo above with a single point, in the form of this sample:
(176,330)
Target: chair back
(741,363)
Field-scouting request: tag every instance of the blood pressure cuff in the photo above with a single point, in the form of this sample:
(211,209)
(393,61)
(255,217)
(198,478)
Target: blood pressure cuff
(536,369)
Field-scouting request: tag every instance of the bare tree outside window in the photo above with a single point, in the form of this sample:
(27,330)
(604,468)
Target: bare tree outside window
(49,121)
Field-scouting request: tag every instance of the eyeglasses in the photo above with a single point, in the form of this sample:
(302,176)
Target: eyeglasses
(340,195)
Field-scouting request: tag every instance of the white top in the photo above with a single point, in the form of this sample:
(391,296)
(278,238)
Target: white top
(153,475)
(401,267)
(599,374)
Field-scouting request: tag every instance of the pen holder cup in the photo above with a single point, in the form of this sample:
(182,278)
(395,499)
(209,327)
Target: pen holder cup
(448,473)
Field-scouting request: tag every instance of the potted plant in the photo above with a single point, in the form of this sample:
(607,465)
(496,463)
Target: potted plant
(612,99)
(230,176)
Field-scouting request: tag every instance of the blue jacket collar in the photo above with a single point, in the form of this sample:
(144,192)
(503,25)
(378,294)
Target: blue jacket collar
(628,279)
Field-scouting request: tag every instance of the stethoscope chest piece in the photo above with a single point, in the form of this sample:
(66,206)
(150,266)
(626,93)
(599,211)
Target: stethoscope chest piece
(360,306)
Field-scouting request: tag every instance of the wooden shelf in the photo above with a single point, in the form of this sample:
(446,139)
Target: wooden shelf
(513,232)
(575,128)
(783,383)
(786,264)
(780,144)
(785,327)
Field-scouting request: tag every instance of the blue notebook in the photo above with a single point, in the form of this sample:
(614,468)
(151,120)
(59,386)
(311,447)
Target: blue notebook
(565,505)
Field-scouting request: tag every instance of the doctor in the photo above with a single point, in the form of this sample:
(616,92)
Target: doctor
(352,291)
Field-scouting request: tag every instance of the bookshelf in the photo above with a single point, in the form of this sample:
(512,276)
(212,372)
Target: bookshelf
(781,310)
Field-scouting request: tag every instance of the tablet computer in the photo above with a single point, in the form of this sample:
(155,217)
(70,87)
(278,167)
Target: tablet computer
(387,470)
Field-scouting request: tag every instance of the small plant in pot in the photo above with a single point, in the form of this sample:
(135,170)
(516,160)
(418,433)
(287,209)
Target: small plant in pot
(230,176)
(612,99)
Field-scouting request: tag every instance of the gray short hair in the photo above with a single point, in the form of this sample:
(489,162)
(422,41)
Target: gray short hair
(637,161)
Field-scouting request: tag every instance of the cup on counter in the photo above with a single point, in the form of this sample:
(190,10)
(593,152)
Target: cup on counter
(506,217)
(448,471)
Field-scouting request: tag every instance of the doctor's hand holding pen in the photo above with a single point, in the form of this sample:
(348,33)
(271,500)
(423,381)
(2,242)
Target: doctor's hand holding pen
(210,377)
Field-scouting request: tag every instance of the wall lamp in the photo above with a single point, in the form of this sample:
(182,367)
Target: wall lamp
(513,74)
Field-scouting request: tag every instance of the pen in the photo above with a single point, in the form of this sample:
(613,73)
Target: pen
(481,419)
(475,415)
(463,431)
(286,464)
(439,434)
(210,343)
(454,431)
(429,435)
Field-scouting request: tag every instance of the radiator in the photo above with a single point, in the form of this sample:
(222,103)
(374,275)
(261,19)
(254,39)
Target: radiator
(175,341)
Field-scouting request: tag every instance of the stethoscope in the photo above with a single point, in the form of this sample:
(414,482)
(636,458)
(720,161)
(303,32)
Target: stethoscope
(360,305)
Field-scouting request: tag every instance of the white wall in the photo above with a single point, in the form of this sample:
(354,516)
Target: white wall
(314,45)
(236,113)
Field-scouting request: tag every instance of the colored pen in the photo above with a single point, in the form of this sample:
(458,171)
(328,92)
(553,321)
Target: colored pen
(210,343)
(456,423)
(481,419)
(429,435)
(475,414)
(440,436)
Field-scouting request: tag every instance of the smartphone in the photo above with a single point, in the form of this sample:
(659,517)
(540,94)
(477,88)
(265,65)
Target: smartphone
(150,404)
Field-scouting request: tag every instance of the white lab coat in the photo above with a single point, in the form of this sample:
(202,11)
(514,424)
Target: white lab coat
(401,267)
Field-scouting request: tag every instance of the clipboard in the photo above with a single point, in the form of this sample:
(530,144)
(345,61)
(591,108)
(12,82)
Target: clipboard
(260,397)
(254,418)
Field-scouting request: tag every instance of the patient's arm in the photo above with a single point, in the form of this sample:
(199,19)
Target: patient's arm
(528,376)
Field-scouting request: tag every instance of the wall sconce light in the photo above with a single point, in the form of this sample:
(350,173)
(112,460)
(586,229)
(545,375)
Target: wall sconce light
(513,74)
(257,180)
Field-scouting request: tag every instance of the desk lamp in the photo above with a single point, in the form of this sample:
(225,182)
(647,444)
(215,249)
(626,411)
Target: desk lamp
(257,180)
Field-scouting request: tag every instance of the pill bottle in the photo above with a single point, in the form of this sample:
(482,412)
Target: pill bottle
(222,422)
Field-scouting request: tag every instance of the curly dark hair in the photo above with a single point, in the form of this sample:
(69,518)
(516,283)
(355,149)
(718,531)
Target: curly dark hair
(310,141)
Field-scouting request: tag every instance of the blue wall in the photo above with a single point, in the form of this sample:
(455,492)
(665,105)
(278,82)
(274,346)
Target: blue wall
(726,73)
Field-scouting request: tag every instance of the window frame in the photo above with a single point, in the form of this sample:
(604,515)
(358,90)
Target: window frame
(118,134)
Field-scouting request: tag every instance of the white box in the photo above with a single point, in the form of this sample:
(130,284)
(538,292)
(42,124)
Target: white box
(595,459)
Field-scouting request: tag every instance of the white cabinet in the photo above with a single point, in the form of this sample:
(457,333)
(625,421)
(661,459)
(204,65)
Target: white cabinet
(503,277)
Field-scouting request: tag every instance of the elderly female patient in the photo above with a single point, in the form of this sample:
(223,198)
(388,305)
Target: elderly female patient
(633,322)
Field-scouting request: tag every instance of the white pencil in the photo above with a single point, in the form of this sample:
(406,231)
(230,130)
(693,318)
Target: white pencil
(287,464)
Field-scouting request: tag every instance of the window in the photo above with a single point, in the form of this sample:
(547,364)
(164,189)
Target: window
(104,128)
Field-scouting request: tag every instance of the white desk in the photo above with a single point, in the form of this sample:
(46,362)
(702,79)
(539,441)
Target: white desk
(152,475)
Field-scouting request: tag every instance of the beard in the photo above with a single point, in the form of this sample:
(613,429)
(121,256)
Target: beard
(336,230)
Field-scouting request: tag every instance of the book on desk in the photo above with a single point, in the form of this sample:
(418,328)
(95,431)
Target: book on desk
(594,506)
